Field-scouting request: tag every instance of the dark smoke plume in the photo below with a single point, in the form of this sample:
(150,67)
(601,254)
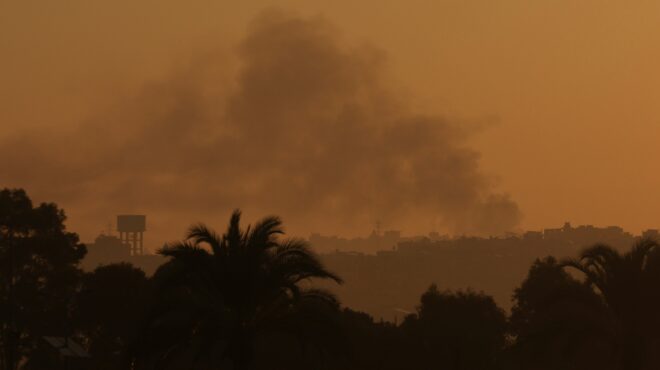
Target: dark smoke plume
(305,128)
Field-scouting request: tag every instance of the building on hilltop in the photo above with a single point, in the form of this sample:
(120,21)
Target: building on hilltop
(128,247)
(586,235)
(385,281)
(106,249)
(388,240)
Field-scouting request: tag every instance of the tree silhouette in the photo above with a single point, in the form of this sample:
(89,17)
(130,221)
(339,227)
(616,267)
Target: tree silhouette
(558,322)
(108,309)
(375,344)
(629,284)
(38,275)
(219,294)
(457,330)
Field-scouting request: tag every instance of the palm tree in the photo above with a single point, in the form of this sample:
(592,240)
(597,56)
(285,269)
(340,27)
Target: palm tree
(628,284)
(236,286)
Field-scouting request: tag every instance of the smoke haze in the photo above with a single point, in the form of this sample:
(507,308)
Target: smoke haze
(292,122)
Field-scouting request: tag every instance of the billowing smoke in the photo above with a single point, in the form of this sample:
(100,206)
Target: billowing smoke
(302,126)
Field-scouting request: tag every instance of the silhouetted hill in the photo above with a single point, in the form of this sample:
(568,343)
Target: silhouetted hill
(387,284)
(385,273)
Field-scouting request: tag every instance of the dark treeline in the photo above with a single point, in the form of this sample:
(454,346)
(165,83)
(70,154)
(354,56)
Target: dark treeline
(245,299)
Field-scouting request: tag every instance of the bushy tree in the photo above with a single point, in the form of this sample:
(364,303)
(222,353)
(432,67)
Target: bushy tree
(38,276)
(109,310)
(457,330)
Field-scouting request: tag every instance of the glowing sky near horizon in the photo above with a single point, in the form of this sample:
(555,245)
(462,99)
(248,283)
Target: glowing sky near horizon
(565,93)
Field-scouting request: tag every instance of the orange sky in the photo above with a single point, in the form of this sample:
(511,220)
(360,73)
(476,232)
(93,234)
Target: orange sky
(573,86)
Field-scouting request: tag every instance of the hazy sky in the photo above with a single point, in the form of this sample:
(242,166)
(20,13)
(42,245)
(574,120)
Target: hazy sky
(558,97)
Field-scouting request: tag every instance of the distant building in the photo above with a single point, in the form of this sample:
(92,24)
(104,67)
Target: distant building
(128,247)
(106,249)
(384,281)
(375,242)
(371,244)
(586,235)
(533,235)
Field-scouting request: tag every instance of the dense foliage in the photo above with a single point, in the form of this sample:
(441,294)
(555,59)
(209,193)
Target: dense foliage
(244,300)
(232,291)
(38,277)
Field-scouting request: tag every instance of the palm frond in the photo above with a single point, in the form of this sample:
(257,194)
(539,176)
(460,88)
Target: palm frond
(233,235)
(201,234)
(596,263)
(319,295)
(181,250)
(295,261)
(261,236)
(641,252)
(573,263)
